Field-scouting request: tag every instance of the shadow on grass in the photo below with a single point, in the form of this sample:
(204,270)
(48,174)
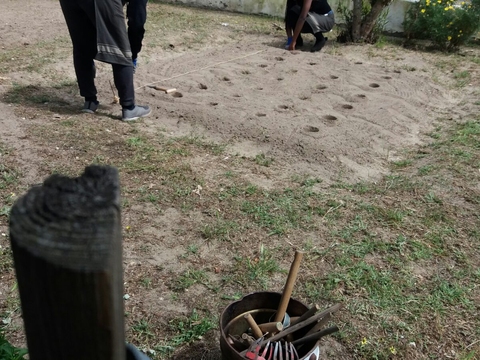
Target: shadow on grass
(56,99)
(62,99)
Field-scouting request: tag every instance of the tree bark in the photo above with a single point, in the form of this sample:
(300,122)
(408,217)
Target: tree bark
(371,18)
(356,19)
(66,240)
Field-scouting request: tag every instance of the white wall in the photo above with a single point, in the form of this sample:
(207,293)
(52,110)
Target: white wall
(277,8)
(267,7)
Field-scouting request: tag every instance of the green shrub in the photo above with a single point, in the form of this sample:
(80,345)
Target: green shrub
(447,24)
(8,351)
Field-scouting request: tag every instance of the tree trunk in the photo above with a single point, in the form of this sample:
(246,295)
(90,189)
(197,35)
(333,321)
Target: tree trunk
(371,18)
(66,240)
(356,20)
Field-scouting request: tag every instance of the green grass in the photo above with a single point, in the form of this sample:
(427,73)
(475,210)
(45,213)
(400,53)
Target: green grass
(262,160)
(219,230)
(6,260)
(9,182)
(402,163)
(189,278)
(167,21)
(8,177)
(191,328)
(257,269)
(462,78)
(8,351)
(185,331)
(143,330)
(35,57)
(306,180)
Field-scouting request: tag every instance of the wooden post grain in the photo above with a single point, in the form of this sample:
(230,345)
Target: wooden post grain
(66,240)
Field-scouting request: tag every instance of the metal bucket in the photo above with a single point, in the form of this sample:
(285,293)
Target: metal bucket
(261,305)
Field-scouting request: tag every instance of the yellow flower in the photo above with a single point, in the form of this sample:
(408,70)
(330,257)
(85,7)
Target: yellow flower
(463,2)
(127,228)
(461,31)
(446,9)
(393,350)
(449,38)
(439,1)
(422,11)
(364,341)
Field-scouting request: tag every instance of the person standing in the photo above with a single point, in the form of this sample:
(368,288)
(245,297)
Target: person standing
(137,17)
(311,16)
(97,30)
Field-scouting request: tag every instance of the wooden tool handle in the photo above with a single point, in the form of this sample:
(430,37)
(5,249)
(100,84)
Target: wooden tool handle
(287,291)
(164,89)
(310,312)
(271,327)
(299,326)
(315,336)
(249,340)
(319,324)
(255,329)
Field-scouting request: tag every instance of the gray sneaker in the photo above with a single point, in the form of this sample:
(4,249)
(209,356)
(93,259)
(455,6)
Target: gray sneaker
(137,112)
(90,107)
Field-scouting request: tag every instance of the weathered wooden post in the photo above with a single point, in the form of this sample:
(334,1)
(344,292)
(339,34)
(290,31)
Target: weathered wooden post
(66,239)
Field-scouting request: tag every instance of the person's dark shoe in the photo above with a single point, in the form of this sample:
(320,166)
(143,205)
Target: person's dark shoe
(137,112)
(319,44)
(299,42)
(90,107)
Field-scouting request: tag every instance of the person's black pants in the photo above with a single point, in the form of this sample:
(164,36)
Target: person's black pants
(80,19)
(314,24)
(137,16)
(292,17)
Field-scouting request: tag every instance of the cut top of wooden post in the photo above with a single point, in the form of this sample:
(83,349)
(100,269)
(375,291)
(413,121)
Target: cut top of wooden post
(63,220)
(66,238)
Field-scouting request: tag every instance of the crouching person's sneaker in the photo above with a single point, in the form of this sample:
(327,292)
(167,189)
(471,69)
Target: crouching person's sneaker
(319,43)
(137,112)
(90,107)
